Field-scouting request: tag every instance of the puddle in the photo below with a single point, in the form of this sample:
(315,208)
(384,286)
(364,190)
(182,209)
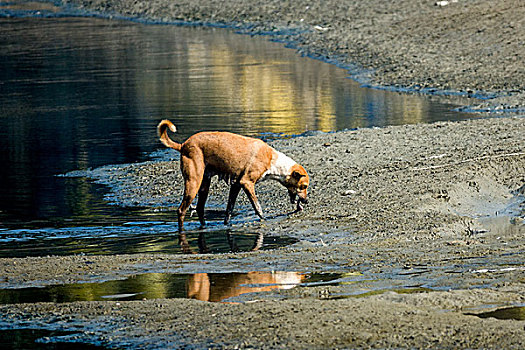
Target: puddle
(39,339)
(215,287)
(228,286)
(212,287)
(508,313)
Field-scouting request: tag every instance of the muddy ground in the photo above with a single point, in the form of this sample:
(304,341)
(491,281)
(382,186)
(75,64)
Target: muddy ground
(425,221)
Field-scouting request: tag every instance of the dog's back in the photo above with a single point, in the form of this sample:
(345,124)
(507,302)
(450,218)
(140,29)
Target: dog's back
(229,153)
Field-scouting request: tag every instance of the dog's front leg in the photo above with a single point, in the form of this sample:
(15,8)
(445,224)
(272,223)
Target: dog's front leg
(249,189)
(234,192)
(192,181)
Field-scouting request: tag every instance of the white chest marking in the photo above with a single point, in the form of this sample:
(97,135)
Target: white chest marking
(280,168)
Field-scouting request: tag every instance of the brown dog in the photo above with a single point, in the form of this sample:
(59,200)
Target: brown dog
(241,161)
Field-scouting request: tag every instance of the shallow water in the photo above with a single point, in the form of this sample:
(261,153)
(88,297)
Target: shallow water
(132,238)
(78,93)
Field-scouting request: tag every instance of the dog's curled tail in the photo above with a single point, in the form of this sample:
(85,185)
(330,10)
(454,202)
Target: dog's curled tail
(162,130)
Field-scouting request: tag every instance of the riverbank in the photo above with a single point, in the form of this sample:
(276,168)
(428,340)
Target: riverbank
(425,222)
(473,47)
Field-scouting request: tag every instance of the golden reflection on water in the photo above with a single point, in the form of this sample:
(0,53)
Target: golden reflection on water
(217,80)
(249,90)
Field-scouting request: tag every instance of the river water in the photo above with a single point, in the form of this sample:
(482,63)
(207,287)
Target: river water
(78,93)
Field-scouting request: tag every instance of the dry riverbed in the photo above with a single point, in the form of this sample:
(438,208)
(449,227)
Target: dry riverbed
(423,223)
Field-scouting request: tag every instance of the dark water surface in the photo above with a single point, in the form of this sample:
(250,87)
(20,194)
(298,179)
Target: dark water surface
(79,93)
(508,313)
(40,339)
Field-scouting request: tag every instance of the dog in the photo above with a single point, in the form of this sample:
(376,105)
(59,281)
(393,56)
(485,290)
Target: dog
(241,161)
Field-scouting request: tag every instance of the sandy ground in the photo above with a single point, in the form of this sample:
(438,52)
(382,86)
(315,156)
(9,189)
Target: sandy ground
(391,208)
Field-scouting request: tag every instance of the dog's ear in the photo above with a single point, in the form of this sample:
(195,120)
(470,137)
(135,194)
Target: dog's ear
(297,175)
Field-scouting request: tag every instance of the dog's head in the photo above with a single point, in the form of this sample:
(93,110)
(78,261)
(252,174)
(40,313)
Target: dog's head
(297,183)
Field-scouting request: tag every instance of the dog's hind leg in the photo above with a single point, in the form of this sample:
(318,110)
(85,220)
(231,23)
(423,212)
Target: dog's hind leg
(234,192)
(190,192)
(203,196)
(193,175)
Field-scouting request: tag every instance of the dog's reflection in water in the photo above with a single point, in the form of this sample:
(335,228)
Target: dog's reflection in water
(204,249)
(218,287)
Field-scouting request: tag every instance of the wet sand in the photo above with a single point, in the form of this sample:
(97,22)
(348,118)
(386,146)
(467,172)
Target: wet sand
(407,206)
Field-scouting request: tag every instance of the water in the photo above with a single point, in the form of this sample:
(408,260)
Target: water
(129,238)
(508,313)
(79,93)
(213,287)
(40,339)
